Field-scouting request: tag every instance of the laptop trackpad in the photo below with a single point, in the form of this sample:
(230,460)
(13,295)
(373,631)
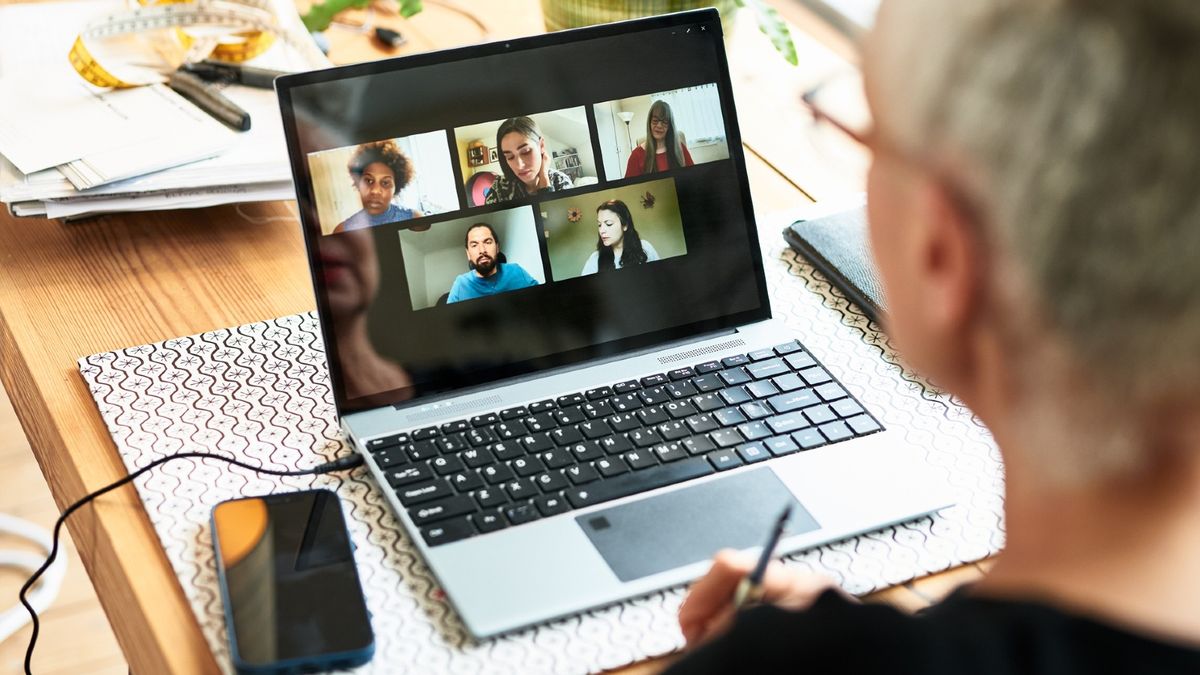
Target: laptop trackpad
(689,525)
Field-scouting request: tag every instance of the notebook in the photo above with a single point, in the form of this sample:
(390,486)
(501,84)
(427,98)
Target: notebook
(573,392)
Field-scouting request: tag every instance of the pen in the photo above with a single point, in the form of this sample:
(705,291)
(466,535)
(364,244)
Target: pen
(250,76)
(208,99)
(751,589)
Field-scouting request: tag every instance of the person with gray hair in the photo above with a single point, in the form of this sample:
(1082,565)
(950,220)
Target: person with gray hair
(1035,217)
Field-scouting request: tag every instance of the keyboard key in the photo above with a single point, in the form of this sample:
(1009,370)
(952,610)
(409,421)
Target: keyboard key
(761,354)
(781,445)
(754,431)
(520,489)
(624,422)
(489,521)
(767,369)
(724,459)
(447,464)
(611,467)
(458,505)
(831,391)
(863,424)
(424,434)
(819,414)
(654,395)
(625,402)
(708,367)
(455,427)
(654,380)
(698,445)
(551,505)
(753,452)
(422,451)
(808,439)
(626,387)
(497,473)
(788,382)
(390,457)
(815,376)
(566,436)
(477,457)
(593,429)
(787,348)
(670,452)
(738,360)
(419,493)
(709,382)
(734,376)
(465,481)
(569,400)
(800,361)
(510,430)
(640,459)
(652,415)
(540,422)
(680,409)
(762,389)
(736,395)
(708,402)
(386,442)
(673,431)
(586,452)
(484,420)
(597,409)
(537,443)
(506,450)
(729,416)
(557,458)
(726,438)
(639,481)
(582,473)
(846,407)
(598,393)
(569,416)
(541,406)
(681,374)
(551,482)
(409,474)
(755,410)
(523,513)
(513,413)
(615,445)
(679,390)
(527,466)
(478,437)
(793,400)
(782,424)
(836,431)
(488,497)
(643,438)
(448,531)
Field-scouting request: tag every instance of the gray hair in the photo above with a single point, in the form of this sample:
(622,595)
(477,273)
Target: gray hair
(1074,127)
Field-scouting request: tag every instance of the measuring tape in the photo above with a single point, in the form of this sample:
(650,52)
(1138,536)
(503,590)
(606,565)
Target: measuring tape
(137,45)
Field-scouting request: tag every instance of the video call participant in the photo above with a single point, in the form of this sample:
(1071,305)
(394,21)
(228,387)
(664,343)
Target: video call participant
(663,148)
(488,276)
(619,244)
(379,170)
(525,164)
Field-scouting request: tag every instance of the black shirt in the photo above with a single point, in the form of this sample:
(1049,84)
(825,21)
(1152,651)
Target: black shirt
(963,635)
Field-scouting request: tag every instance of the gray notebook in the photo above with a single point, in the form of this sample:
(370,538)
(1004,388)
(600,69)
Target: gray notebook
(839,247)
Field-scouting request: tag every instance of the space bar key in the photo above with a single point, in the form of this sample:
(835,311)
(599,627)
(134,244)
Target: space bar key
(639,481)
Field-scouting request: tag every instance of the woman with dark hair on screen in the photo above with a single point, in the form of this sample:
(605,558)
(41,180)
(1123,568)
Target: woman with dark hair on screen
(663,148)
(524,163)
(379,170)
(619,245)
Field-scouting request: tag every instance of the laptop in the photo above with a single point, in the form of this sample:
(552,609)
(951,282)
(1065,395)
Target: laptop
(546,317)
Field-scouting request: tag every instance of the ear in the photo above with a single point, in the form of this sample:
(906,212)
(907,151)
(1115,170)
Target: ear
(949,258)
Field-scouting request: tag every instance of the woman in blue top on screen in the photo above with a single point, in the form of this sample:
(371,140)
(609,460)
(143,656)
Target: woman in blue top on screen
(379,170)
(524,163)
(663,148)
(619,245)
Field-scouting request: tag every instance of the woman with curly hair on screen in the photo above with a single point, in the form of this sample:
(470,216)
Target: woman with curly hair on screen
(379,170)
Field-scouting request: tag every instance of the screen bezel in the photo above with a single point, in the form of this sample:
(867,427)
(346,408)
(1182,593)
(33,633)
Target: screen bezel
(708,18)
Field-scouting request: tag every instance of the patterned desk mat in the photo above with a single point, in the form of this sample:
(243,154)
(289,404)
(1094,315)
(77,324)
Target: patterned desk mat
(261,392)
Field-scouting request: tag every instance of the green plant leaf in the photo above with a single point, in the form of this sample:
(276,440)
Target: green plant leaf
(321,14)
(410,7)
(773,26)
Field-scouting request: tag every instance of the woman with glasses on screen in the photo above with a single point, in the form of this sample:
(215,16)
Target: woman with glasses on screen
(618,245)
(1034,216)
(378,171)
(663,148)
(524,163)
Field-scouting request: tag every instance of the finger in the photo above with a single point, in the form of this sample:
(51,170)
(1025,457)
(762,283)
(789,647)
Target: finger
(717,626)
(713,592)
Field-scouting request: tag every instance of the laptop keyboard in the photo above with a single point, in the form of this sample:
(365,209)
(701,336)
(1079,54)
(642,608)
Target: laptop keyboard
(514,466)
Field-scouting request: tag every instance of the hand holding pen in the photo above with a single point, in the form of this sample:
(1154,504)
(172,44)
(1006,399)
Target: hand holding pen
(711,604)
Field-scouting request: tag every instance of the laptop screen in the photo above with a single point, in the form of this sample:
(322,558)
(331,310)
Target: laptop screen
(493,211)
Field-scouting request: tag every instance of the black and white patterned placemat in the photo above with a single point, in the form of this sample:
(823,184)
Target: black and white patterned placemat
(261,392)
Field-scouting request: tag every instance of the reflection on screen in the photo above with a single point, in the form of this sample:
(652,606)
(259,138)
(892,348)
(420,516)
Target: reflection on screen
(528,209)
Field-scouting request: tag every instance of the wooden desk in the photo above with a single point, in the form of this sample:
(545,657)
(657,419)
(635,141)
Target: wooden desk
(69,290)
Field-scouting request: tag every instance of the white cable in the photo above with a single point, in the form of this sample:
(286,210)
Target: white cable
(13,620)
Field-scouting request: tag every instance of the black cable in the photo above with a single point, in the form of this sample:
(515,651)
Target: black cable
(340,464)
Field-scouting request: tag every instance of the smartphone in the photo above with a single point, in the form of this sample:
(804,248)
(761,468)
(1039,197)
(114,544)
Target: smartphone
(293,601)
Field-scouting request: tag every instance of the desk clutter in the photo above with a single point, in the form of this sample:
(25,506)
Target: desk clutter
(261,392)
(84,133)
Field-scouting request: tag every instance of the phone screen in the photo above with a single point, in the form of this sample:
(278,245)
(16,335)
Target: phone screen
(289,581)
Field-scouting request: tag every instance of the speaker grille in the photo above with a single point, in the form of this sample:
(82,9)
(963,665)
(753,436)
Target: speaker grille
(456,408)
(696,353)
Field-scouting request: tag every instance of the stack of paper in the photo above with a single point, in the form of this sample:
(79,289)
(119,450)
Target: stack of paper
(69,149)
